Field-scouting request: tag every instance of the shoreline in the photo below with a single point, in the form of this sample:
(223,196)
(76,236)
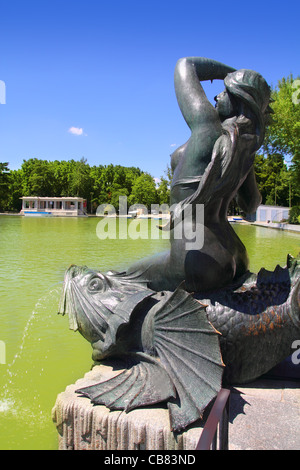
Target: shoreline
(278,226)
(272,225)
(9,213)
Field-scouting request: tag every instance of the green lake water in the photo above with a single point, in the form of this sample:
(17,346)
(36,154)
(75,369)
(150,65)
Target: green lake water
(42,355)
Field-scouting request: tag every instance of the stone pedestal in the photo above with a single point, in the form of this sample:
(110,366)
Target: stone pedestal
(83,426)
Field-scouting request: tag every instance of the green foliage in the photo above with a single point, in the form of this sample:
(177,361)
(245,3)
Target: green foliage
(98,184)
(4,184)
(14,192)
(143,191)
(283,134)
(163,191)
(164,188)
(278,183)
(275,180)
(294,217)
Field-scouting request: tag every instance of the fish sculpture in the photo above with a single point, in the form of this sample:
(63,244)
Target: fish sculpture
(170,352)
(179,348)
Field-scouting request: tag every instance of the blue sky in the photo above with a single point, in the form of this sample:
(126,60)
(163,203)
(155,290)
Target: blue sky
(105,69)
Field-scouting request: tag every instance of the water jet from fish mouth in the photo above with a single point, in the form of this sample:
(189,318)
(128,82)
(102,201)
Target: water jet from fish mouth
(12,400)
(6,405)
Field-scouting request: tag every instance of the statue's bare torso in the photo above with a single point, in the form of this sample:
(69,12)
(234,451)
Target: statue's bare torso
(223,256)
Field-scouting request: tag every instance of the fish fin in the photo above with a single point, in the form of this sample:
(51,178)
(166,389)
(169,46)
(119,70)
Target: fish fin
(134,278)
(278,276)
(142,382)
(122,315)
(188,347)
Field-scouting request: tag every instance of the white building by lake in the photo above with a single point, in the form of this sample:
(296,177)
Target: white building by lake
(272,214)
(34,206)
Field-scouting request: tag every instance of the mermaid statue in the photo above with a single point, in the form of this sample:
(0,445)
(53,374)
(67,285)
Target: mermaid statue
(211,168)
(186,322)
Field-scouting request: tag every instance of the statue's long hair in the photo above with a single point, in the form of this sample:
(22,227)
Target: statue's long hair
(251,89)
(233,156)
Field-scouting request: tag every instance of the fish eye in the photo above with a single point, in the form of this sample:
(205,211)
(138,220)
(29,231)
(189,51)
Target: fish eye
(96,284)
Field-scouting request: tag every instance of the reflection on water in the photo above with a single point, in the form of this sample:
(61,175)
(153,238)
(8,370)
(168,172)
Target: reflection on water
(42,355)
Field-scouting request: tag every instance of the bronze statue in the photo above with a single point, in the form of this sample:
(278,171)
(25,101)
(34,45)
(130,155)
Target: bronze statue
(181,323)
(211,168)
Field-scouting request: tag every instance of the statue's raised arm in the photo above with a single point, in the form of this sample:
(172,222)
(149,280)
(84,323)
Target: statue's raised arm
(192,100)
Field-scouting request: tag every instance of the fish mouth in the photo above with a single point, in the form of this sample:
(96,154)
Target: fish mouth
(99,304)
(82,313)
(66,306)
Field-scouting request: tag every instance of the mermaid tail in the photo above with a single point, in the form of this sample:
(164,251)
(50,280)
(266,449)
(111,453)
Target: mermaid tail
(258,320)
(180,364)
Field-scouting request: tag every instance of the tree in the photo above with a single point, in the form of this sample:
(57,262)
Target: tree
(62,171)
(164,188)
(80,181)
(274,180)
(4,184)
(15,193)
(4,168)
(115,195)
(98,184)
(283,134)
(37,178)
(163,191)
(143,191)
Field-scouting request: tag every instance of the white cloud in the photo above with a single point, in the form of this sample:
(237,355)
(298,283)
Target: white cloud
(173,145)
(76,131)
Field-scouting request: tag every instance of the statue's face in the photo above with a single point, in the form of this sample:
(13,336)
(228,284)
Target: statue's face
(224,105)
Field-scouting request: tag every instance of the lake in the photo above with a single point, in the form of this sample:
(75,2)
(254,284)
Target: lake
(42,355)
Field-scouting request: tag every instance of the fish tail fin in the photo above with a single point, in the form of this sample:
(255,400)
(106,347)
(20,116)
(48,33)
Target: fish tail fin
(188,347)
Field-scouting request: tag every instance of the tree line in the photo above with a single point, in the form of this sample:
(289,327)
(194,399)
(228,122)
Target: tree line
(102,184)
(277,169)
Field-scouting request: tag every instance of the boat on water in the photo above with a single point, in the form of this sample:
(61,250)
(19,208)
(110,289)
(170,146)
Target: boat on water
(154,216)
(235,218)
(37,214)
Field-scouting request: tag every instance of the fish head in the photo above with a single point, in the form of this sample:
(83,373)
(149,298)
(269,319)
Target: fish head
(99,304)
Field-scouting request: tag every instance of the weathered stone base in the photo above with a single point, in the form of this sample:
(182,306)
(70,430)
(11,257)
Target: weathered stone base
(83,426)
